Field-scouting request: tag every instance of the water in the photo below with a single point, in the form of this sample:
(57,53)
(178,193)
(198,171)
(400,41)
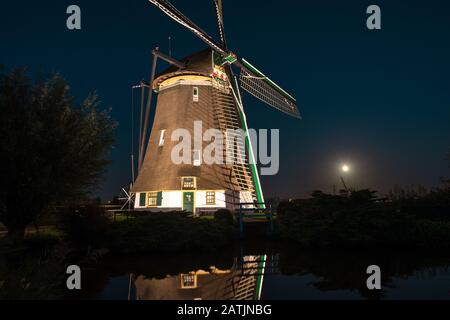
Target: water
(267,271)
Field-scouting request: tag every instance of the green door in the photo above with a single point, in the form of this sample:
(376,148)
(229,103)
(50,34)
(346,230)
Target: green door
(188,201)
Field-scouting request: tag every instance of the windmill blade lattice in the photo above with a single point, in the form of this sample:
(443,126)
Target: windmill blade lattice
(218,5)
(265,90)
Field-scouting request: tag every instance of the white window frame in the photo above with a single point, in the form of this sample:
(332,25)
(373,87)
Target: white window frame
(192,187)
(208,195)
(152,199)
(183,282)
(161,137)
(195,92)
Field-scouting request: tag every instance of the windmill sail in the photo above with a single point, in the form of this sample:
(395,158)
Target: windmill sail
(260,86)
(218,4)
(166,7)
(252,80)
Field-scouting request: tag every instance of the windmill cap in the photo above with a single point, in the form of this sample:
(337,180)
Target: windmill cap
(199,63)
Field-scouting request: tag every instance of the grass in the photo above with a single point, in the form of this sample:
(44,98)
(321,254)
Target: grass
(121,217)
(206,218)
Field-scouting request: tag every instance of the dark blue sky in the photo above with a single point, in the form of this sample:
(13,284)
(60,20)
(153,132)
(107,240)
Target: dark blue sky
(379,100)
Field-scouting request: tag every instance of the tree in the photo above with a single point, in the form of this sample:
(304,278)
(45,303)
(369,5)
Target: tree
(52,149)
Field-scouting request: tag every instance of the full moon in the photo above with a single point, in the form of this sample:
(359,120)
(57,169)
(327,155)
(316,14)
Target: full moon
(345,168)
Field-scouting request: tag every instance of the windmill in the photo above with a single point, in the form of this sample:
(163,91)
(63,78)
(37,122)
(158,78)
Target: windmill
(201,87)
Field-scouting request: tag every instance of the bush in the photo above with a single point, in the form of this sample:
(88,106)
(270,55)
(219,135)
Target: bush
(224,215)
(433,234)
(170,231)
(44,239)
(359,221)
(85,226)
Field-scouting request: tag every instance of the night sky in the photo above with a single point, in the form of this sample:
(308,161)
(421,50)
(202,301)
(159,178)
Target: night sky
(378,100)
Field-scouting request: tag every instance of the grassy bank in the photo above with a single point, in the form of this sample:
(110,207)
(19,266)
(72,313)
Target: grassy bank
(167,232)
(33,268)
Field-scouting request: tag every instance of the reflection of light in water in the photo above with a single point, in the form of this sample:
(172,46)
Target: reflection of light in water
(302,275)
(242,282)
(249,283)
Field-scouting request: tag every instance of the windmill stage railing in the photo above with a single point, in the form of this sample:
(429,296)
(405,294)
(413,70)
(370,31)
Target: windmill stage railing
(253,212)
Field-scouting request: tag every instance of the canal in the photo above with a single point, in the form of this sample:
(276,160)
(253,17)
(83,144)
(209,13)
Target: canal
(263,270)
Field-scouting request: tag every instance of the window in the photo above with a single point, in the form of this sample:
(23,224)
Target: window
(188,182)
(210,197)
(161,138)
(195,94)
(188,281)
(142,199)
(154,199)
(197,159)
